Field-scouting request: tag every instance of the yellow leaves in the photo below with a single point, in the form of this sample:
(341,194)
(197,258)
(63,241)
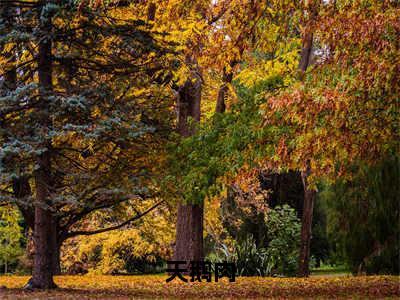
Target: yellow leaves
(96,112)
(260,70)
(107,252)
(155,286)
(140,92)
(213,222)
(6,63)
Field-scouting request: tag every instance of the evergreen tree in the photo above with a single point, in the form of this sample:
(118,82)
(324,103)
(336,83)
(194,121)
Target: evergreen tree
(363,217)
(73,125)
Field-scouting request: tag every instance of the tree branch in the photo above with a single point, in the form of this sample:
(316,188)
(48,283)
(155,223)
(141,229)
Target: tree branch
(138,216)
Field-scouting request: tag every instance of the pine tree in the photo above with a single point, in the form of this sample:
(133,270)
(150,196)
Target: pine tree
(72,119)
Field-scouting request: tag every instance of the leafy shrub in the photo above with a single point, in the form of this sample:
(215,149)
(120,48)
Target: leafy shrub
(10,238)
(251,260)
(283,231)
(279,257)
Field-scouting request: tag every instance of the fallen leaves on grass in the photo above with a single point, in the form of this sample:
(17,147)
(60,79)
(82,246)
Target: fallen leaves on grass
(154,286)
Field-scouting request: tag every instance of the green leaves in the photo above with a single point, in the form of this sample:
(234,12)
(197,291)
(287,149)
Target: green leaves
(10,235)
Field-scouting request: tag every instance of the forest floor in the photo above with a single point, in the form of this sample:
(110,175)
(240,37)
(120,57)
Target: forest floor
(155,286)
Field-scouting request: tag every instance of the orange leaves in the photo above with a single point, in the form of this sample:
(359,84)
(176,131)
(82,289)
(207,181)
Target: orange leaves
(154,286)
(345,110)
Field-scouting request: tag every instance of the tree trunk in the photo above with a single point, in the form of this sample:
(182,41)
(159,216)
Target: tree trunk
(45,227)
(189,233)
(305,54)
(223,91)
(309,194)
(189,226)
(306,224)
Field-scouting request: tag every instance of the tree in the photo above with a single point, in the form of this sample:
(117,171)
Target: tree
(329,122)
(189,226)
(72,136)
(363,217)
(229,33)
(204,52)
(309,192)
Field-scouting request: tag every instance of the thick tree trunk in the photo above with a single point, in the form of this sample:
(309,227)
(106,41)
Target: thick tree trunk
(188,104)
(29,217)
(189,226)
(189,233)
(151,11)
(45,229)
(45,235)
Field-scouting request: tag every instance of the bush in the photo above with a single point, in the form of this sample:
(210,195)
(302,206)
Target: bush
(10,238)
(278,257)
(283,231)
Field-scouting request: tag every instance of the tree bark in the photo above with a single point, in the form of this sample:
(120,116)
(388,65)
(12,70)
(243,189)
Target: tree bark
(189,233)
(189,226)
(309,194)
(151,11)
(44,230)
(223,91)
(306,225)
(188,104)
(305,54)
(45,235)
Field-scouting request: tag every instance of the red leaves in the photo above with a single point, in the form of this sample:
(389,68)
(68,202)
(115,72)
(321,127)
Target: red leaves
(345,109)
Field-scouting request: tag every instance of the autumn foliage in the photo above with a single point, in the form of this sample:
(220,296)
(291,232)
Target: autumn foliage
(265,133)
(89,287)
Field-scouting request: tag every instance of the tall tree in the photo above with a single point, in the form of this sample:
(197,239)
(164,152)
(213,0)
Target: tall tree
(228,29)
(189,225)
(329,122)
(189,228)
(45,227)
(309,192)
(75,126)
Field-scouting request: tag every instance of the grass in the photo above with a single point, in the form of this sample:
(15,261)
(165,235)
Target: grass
(155,286)
(327,270)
